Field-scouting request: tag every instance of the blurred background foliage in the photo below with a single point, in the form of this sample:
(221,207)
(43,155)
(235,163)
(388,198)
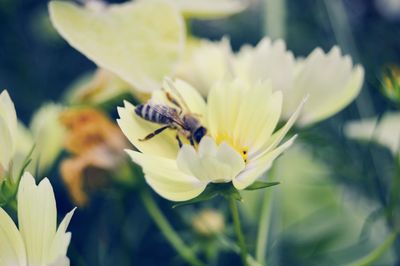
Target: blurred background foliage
(329,208)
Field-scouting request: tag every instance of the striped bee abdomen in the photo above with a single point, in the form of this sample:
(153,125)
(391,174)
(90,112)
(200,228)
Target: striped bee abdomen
(157,113)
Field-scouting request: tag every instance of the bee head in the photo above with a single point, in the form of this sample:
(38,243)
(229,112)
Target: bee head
(199,133)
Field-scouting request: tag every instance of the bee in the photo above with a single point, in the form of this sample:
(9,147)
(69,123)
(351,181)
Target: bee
(186,123)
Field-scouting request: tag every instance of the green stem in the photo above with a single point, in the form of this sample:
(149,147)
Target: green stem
(263,227)
(394,192)
(238,230)
(376,253)
(235,248)
(167,230)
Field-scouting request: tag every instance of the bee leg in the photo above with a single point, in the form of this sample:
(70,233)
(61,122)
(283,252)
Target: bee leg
(179,140)
(173,101)
(155,133)
(191,141)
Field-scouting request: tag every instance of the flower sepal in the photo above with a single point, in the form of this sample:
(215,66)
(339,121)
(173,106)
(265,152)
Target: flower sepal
(227,190)
(8,189)
(261,185)
(9,183)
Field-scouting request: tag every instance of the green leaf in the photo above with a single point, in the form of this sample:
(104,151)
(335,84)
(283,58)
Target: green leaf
(260,185)
(27,161)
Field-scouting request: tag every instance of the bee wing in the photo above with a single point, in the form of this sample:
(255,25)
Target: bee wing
(171,113)
(180,98)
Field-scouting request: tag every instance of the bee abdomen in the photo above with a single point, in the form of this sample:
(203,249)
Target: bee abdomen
(157,114)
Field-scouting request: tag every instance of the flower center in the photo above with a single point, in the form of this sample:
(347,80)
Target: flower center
(242,150)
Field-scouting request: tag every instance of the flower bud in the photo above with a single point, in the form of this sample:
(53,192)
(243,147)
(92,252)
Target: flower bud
(208,222)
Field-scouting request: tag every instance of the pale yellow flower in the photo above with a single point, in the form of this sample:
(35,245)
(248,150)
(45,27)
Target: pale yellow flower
(329,79)
(37,242)
(241,119)
(386,131)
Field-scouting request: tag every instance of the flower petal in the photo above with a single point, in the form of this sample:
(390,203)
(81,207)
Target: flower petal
(206,62)
(125,38)
(386,131)
(211,163)
(6,144)
(278,136)
(185,94)
(8,128)
(12,248)
(37,217)
(135,128)
(166,179)
(254,169)
(267,61)
(244,115)
(48,134)
(330,90)
(61,241)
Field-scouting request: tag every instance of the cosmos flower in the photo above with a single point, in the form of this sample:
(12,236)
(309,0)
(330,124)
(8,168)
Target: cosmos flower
(330,79)
(385,132)
(241,144)
(37,241)
(94,142)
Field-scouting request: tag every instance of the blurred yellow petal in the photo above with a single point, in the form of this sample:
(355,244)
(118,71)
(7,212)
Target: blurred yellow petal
(135,128)
(12,249)
(210,9)
(166,179)
(125,38)
(97,87)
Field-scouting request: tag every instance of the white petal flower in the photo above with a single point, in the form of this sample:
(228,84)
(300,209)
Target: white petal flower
(8,130)
(37,242)
(386,132)
(329,79)
(241,119)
